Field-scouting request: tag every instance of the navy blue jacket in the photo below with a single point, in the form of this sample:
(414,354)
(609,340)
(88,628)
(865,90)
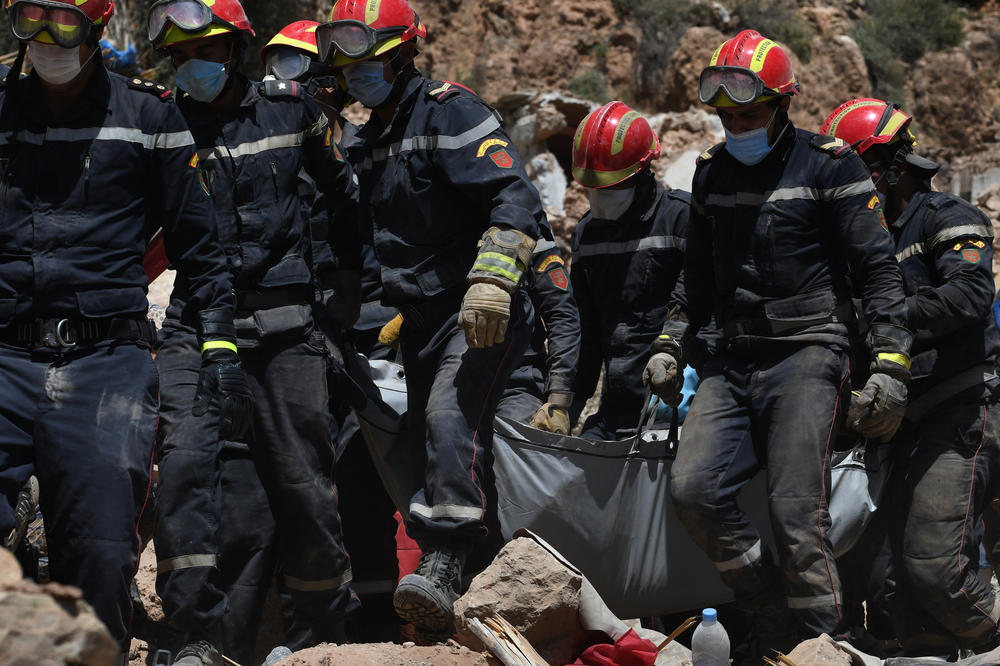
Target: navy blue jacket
(432,182)
(774,250)
(944,249)
(251,161)
(83,192)
(555,344)
(623,274)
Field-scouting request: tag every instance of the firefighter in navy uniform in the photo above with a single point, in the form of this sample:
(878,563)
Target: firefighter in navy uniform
(92,164)
(785,225)
(540,391)
(628,251)
(950,441)
(253,140)
(454,221)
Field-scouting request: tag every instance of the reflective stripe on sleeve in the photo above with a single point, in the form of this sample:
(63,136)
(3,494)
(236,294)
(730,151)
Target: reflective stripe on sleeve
(951,233)
(447,511)
(186,562)
(790,194)
(898,359)
(501,264)
(910,251)
(440,142)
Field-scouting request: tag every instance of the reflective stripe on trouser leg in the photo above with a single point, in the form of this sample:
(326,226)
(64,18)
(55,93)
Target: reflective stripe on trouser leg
(801,395)
(707,477)
(188,497)
(293,455)
(93,449)
(947,488)
(466,385)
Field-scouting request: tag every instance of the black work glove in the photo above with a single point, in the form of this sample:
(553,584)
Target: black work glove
(221,375)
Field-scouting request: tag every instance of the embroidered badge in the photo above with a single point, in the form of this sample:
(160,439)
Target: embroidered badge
(194,161)
(873,202)
(489,143)
(977,243)
(971,255)
(502,159)
(559,279)
(881,220)
(548,261)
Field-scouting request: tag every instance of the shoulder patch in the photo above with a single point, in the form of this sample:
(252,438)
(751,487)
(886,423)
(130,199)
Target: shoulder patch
(710,153)
(549,262)
(279,88)
(832,145)
(559,278)
(441,91)
(151,87)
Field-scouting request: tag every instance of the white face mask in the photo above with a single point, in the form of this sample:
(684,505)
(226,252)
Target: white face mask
(608,204)
(55,64)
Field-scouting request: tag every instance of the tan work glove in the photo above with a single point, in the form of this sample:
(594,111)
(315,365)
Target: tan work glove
(877,411)
(389,334)
(484,314)
(551,418)
(663,377)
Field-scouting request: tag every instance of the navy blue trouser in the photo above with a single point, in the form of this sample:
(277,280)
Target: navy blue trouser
(83,422)
(293,455)
(944,485)
(784,402)
(523,394)
(452,396)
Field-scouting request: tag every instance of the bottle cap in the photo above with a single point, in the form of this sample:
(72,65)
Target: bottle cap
(709,615)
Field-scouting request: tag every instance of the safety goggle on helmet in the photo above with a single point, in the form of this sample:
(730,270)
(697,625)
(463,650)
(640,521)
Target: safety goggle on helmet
(193,17)
(49,22)
(290,64)
(741,85)
(354,39)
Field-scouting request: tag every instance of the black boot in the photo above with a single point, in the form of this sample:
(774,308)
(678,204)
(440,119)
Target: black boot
(427,597)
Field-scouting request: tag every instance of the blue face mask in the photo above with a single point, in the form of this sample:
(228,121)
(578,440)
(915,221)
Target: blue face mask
(366,83)
(202,79)
(751,147)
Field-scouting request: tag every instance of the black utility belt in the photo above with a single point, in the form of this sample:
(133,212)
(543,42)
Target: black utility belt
(765,327)
(263,299)
(66,333)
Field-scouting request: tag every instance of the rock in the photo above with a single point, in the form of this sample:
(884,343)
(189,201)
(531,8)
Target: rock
(680,81)
(550,179)
(385,654)
(145,581)
(836,73)
(820,651)
(10,569)
(958,120)
(535,593)
(47,626)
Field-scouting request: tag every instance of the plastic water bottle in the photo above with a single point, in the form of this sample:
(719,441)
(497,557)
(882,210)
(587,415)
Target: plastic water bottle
(710,642)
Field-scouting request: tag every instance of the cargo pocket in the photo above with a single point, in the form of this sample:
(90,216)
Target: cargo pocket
(800,312)
(289,321)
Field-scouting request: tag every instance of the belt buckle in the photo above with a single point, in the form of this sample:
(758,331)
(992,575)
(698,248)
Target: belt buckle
(55,333)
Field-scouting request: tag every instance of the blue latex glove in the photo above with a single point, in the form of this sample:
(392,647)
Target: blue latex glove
(116,60)
(665,412)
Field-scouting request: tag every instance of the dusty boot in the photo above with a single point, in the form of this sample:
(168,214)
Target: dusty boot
(772,629)
(427,596)
(24,511)
(198,653)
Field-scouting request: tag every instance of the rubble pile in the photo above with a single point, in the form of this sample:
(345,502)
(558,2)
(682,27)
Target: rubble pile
(48,625)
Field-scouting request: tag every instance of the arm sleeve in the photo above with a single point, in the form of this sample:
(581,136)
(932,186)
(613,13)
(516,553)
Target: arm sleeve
(553,300)
(336,182)
(589,368)
(693,298)
(863,233)
(180,204)
(475,155)
(959,240)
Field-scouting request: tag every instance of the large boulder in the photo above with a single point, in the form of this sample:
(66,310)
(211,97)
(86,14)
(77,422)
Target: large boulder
(836,73)
(533,591)
(48,625)
(386,654)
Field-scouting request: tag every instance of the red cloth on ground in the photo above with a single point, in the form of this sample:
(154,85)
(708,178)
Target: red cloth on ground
(630,650)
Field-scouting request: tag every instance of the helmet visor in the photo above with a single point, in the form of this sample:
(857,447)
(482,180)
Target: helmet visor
(286,62)
(188,15)
(65,24)
(352,38)
(741,85)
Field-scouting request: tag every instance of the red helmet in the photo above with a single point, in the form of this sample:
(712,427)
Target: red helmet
(300,35)
(866,122)
(175,21)
(747,69)
(98,11)
(612,144)
(361,29)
